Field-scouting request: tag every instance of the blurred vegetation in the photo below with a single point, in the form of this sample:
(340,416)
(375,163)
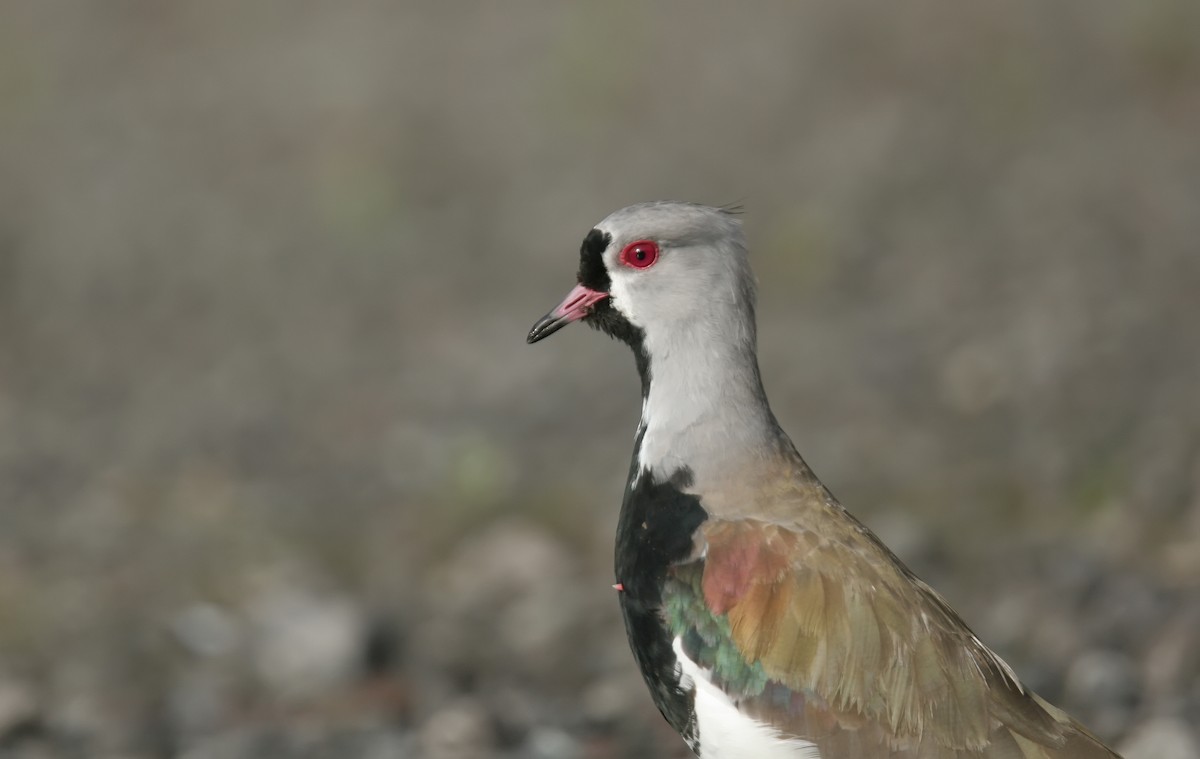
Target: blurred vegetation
(278,475)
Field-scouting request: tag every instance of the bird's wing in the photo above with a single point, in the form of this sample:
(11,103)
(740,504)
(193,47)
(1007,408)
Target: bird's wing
(866,663)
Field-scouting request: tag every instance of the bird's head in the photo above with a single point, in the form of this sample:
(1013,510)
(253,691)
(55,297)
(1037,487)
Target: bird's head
(653,271)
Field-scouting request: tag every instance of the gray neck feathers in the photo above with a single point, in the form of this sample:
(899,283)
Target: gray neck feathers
(705,408)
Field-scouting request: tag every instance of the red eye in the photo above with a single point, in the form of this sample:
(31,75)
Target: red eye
(641,254)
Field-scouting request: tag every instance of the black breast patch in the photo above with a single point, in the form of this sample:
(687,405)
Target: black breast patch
(655,531)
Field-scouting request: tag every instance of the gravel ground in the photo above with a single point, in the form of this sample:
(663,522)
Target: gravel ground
(279,478)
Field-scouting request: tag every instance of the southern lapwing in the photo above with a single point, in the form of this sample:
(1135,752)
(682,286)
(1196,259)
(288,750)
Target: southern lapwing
(767,621)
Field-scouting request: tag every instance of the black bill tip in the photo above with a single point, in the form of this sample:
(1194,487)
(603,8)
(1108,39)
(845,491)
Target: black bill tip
(545,327)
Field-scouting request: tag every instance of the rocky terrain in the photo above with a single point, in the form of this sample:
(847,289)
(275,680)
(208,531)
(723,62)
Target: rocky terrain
(279,477)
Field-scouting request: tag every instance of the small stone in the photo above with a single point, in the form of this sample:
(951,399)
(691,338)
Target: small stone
(551,743)
(306,643)
(460,730)
(206,630)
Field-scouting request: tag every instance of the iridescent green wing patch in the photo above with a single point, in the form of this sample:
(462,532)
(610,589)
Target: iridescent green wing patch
(706,636)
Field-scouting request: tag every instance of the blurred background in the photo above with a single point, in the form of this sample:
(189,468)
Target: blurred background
(280,478)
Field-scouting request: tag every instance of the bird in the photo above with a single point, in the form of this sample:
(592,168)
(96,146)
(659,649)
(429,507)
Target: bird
(767,621)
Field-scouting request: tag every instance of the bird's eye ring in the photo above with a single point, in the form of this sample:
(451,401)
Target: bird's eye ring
(640,255)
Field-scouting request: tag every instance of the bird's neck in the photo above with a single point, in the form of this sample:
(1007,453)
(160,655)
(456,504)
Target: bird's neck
(703,406)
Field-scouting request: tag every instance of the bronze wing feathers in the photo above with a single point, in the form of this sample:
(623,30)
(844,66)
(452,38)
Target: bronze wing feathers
(834,641)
